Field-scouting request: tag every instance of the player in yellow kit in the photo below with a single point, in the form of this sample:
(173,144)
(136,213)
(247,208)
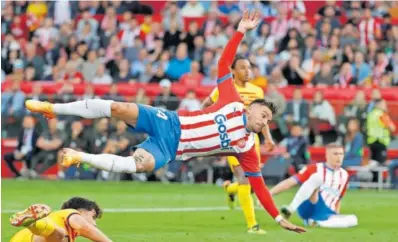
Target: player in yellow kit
(76,218)
(248,92)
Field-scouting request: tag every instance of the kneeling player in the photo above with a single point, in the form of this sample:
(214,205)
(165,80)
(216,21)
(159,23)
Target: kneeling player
(76,218)
(323,186)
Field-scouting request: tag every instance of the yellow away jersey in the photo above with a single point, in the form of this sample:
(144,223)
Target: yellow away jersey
(248,93)
(61,217)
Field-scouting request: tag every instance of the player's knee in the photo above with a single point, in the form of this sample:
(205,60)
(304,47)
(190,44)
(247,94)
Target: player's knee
(144,161)
(240,175)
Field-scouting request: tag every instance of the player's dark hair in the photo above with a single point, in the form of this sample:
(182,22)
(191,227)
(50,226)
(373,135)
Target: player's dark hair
(82,203)
(268,103)
(237,57)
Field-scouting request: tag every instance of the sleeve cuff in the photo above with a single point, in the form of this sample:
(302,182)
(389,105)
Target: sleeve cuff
(278,218)
(297,179)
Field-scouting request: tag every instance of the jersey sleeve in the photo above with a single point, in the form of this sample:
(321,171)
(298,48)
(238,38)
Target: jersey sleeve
(214,95)
(305,173)
(249,161)
(225,85)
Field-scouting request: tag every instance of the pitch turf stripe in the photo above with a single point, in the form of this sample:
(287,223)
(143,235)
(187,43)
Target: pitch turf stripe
(147,210)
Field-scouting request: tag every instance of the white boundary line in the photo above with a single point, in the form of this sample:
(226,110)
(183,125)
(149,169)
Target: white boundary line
(146,210)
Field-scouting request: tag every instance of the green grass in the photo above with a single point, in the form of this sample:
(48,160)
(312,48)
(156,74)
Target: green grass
(377,212)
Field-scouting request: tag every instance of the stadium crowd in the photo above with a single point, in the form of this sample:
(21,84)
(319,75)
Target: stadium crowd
(113,42)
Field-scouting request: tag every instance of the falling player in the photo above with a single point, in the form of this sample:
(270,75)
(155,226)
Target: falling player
(224,128)
(76,218)
(248,92)
(323,186)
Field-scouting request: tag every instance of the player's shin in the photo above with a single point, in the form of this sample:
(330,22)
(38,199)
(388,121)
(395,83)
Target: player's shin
(109,162)
(91,108)
(246,203)
(305,192)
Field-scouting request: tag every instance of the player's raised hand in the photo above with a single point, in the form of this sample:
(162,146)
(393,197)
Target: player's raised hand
(249,21)
(291,227)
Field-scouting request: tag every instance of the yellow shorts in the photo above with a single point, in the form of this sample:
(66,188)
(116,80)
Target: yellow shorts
(233,161)
(22,236)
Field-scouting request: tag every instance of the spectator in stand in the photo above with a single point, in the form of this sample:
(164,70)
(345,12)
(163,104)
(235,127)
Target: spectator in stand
(190,102)
(101,77)
(146,76)
(47,32)
(12,103)
(382,65)
(146,26)
(172,37)
(329,17)
(325,77)
(90,66)
(216,39)
(49,143)
(193,8)
(110,19)
(324,34)
(31,58)
(198,49)
(193,78)
(345,77)
(18,28)
(7,17)
(296,147)
(158,76)
(360,70)
(180,64)
(321,111)
(154,39)
(72,75)
(88,37)
(379,127)
(171,14)
(329,4)
(166,99)
(228,7)
(369,28)
(211,21)
(264,38)
(348,55)
(279,26)
(353,144)
(127,36)
(349,35)
(311,66)
(371,54)
(189,37)
(293,73)
(87,19)
(29,75)
(208,60)
(99,136)
(138,66)
(297,110)
(25,148)
(123,75)
(356,109)
(291,34)
(277,78)
(374,98)
(210,80)
(118,142)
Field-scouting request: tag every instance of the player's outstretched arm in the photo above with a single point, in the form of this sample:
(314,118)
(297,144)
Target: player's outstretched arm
(87,230)
(225,82)
(284,185)
(249,163)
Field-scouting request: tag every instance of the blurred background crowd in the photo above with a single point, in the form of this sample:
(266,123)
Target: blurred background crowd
(168,51)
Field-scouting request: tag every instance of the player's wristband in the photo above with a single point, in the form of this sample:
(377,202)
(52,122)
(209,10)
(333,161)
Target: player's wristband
(278,218)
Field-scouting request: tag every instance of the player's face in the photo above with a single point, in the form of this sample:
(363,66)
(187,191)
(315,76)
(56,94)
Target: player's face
(334,157)
(258,116)
(241,71)
(90,216)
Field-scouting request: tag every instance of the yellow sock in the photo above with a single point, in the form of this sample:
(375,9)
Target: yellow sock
(232,188)
(42,227)
(246,203)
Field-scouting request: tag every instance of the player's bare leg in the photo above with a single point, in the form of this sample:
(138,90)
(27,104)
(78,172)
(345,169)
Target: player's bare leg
(90,109)
(140,161)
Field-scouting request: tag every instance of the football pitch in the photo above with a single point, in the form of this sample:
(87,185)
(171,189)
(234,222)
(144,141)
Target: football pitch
(157,212)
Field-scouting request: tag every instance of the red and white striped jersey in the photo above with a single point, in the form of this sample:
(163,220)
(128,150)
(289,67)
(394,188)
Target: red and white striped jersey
(219,132)
(220,129)
(334,182)
(368,30)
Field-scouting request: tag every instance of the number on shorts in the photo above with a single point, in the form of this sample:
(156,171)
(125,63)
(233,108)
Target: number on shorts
(161,114)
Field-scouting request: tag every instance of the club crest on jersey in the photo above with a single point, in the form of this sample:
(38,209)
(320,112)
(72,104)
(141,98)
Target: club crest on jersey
(220,119)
